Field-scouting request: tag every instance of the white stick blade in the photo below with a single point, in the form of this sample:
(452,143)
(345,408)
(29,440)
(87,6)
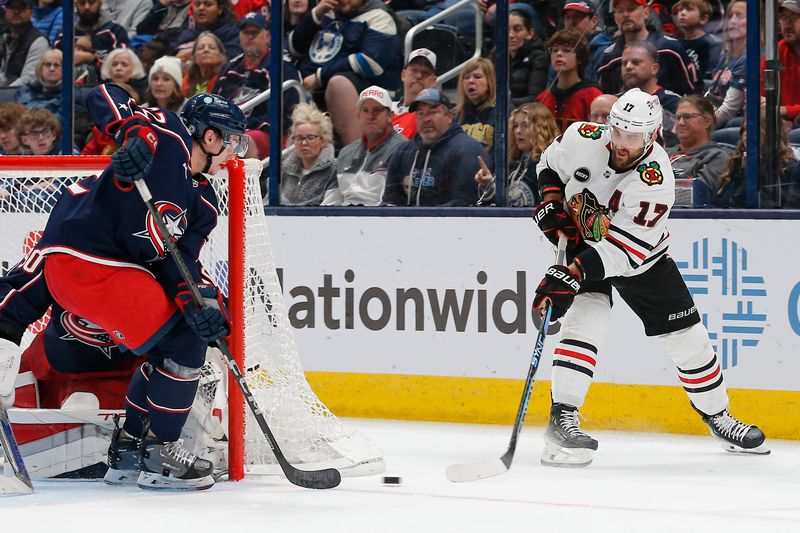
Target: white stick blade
(475,471)
(13,485)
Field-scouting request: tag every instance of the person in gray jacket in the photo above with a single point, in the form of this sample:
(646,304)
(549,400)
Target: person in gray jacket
(696,156)
(437,166)
(362,165)
(308,169)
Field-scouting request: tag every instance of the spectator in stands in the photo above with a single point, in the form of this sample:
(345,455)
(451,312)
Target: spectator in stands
(241,8)
(128,13)
(640,69)
(570,98)
(343,47)
(601,107)
(437,167)
(105,34)
(293,12)
(210,16)
(208,56)
(86,73)
(581,15)
(361,166)
(476,100)
(247,75)
(533,128)
(45,91)
(165,21)
(40,132)
(691,17)
(697,156)
(164,89)
(726,91)
(733,180)
(789,57)
(677,72)
(48,19)
(528,61)
(21,45)
(10,115)
(419,73)
(123,66)
(308,169)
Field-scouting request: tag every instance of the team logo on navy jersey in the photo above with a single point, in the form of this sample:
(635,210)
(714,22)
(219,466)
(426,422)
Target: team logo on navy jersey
(582,174)
(651,173)
(589,215)
(174,218)
(81,330)
(591,131)
(325,46)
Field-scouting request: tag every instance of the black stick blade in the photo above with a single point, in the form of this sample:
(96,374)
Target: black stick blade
(315,479)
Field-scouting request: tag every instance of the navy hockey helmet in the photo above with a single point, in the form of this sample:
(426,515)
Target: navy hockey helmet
(204,110)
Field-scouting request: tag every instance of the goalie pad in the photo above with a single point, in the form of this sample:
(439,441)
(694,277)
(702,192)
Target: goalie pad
(10,358)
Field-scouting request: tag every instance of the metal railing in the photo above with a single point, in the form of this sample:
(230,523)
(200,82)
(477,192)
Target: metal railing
(463,4)
(263,97)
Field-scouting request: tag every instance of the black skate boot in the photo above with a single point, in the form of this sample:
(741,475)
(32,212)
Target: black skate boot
(123,457)
(565,443)
(168,465)
(733,435)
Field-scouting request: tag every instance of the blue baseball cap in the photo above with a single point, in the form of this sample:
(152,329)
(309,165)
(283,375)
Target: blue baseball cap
(256,19)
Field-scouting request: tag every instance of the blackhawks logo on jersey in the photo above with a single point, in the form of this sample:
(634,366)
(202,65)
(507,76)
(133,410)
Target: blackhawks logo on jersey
(591,131)
(651,173)
(589,215)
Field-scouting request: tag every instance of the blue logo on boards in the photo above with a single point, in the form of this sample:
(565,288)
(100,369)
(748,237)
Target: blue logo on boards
(724,271)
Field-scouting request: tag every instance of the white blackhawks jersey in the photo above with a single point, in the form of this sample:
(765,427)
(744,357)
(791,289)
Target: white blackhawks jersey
(622,215)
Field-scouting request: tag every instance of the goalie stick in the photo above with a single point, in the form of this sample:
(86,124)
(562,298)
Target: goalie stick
(495,467)
(18,482)
(311,479)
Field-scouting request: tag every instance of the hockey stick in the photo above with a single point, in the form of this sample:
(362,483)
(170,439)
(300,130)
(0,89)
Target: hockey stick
(19,482)
(494,467)
(310,479)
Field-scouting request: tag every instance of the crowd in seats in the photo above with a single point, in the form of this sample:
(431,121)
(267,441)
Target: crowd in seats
(568,62)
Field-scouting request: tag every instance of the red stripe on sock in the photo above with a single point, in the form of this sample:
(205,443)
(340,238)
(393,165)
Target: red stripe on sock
(574,355)
(695,381)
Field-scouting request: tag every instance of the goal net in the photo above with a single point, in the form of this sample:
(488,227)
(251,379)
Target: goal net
(239,258)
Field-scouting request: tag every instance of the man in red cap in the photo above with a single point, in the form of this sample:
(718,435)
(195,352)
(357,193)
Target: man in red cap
(581,15)
(678,73)
(789,56)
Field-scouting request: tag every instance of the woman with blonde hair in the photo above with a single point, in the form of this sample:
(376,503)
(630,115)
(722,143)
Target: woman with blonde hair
(533,128)
(475,100)
(308,167)
(208,57)
(726,91)
(122,66)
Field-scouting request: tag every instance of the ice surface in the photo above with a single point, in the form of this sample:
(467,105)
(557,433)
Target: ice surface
(638,482)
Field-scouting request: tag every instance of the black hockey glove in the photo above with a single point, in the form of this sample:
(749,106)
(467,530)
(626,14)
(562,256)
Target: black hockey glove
(212,321)
(558,286)
(552,219)
(137,142)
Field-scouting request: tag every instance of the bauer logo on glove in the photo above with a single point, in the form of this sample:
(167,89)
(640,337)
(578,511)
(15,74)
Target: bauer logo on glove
(559,287)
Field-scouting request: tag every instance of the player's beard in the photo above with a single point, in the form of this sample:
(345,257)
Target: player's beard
(623,162)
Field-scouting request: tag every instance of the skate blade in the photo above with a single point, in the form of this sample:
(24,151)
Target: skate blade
(121,477)
(762,449)
(153,481)
(555,455)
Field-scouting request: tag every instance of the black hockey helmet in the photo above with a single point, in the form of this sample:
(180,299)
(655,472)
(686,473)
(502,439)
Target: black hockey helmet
(204,110)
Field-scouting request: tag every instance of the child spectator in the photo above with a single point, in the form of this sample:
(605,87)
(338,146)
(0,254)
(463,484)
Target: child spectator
(691,17)
(571,97)
(10,115)
(39,132)
(86,73)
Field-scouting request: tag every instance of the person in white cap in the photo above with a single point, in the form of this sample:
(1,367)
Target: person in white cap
(419,73)
(164,89)
(362,164)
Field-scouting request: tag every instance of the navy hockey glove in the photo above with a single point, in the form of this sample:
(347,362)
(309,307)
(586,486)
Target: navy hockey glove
(552,219)
(558,286)
(212,321)
(137,142)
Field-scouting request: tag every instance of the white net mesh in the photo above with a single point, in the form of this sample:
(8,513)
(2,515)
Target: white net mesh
(306,430)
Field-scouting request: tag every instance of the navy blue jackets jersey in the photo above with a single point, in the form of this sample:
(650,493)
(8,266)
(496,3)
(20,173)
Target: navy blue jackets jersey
(106,36)
(240,85)
(99,220)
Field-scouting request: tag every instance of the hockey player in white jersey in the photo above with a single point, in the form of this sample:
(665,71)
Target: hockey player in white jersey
(609,189)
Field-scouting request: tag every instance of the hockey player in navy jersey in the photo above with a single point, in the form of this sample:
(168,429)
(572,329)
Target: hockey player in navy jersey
(619,188)
(105,260)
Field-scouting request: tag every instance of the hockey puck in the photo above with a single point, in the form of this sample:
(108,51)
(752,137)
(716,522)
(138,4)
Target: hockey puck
(391,480)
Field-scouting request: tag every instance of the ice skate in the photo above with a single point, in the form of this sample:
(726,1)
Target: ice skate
(735,436)
(168,465)
(565,444)
(123,458)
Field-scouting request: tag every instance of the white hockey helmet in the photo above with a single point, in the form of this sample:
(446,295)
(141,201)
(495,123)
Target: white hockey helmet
(637,112)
